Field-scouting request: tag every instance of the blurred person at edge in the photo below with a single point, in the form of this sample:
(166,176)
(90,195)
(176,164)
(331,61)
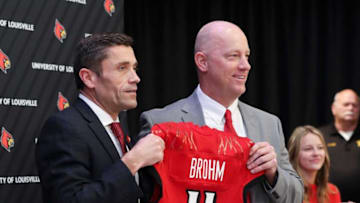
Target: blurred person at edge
(310,158)
(343,141)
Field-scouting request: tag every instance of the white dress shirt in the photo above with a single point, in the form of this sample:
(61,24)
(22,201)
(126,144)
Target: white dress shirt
(214,113)
(346,134)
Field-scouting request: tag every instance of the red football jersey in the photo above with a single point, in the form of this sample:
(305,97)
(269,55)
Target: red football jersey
(202,165)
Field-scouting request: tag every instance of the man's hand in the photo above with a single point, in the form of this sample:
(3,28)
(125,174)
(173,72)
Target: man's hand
(147,151)
(263,158)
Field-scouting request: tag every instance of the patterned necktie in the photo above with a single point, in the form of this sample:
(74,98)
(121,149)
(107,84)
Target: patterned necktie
(119,134)
(228,127)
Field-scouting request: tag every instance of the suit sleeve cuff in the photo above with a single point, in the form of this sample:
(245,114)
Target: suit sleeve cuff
(272,189)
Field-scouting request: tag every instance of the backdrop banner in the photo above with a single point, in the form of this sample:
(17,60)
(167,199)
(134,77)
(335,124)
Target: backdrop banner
(37,41)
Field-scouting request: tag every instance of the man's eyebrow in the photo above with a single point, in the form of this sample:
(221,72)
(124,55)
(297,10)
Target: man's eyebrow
(126,63)
(123,63)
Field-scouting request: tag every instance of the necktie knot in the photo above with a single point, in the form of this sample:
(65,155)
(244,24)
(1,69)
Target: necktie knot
(119,134)
(228,127)
(228,115)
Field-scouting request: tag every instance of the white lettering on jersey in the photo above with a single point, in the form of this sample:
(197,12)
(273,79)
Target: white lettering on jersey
(206,169)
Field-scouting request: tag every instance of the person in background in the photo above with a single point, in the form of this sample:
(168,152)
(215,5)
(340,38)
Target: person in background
(222,58)
(84,153)
(310,158)
(343,141)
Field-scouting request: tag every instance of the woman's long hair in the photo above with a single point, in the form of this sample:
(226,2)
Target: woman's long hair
(322,176)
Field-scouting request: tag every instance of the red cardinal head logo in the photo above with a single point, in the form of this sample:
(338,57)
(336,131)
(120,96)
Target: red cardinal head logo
(4,62)
(59,31)
(109,7)
(7,140)
(62,102)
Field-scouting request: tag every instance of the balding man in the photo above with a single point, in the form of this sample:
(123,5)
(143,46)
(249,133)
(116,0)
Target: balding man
(221,56)
(343,141)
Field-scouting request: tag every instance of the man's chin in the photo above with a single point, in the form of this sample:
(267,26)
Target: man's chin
(132,106)
(128,106)
(240,91)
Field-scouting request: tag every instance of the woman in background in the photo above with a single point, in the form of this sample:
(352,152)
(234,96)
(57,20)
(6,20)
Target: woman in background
(309,157)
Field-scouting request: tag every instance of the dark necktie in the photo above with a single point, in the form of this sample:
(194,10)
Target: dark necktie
(119,134)
(228,127)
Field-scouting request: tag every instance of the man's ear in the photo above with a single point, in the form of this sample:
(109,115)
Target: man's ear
(201,61)
(333,108)
(88,77)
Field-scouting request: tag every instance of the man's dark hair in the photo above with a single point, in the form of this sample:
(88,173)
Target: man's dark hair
(91,51)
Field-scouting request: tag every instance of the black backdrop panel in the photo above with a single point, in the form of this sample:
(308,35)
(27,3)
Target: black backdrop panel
(302,52)
(37,38)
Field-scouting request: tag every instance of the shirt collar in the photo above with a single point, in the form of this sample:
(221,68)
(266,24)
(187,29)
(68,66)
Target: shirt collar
(234,106)
(103,116)
(213,107)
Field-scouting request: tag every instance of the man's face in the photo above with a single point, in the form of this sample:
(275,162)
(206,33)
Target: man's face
(228,66)
(116,86)
(346,106)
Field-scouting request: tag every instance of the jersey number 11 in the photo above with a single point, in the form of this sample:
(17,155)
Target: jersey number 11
(194,196)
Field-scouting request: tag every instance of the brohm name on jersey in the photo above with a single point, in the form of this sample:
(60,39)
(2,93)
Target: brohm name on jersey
(207,169)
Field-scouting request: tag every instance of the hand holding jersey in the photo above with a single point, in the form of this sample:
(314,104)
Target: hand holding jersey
(262,154)
(146,152)
(263,158)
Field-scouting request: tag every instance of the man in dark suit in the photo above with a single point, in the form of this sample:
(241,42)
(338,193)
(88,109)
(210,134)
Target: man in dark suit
(221,57)
(80,156)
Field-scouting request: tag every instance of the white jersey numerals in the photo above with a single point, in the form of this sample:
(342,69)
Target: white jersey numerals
(194,196)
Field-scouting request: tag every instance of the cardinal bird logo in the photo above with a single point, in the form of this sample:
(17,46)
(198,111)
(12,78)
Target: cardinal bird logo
(109,7)
(4,62)
(59,31)
(62,102)
(7,140)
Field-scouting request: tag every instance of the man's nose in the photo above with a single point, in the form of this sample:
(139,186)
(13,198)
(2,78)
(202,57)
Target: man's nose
(134,77)
(244,64)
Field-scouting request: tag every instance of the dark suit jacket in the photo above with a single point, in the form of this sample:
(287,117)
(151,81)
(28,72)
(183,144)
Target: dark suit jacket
(78,162)
(259,126)
(344,161)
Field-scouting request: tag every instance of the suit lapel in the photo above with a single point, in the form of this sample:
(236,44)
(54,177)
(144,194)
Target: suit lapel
(249,122)
(97,128)
(192,111)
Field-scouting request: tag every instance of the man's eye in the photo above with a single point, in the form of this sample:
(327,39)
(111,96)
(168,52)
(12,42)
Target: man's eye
(233,56)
